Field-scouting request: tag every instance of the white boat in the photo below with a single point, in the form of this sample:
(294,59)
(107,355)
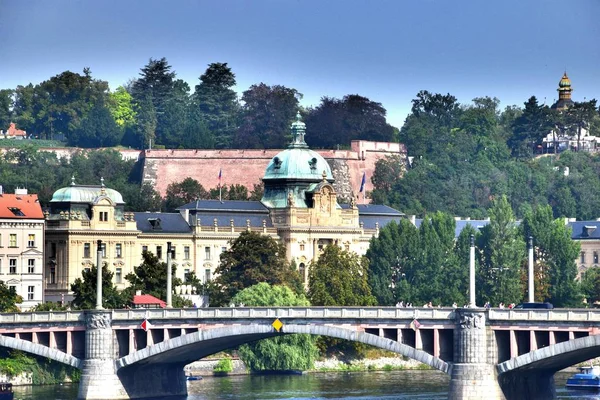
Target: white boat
(587,378)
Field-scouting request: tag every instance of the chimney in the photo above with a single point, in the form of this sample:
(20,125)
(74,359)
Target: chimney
(138,292)
(21,191)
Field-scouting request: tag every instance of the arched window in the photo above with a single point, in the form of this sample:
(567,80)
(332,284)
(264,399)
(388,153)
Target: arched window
(302,272)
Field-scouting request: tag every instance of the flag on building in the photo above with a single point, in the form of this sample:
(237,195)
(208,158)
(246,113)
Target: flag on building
(415,324)
(220,174)
(363,182)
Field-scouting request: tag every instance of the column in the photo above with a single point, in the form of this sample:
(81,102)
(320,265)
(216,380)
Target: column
(472,376)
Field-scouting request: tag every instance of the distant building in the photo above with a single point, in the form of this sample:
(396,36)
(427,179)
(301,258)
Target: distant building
(21,246)
(568,140)
(13,133)
(299,208)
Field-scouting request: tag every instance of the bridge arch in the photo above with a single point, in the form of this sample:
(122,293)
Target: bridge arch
(554,357)
(40,350)
(194,346)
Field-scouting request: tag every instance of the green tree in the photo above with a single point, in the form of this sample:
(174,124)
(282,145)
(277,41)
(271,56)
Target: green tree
(502,252)
(388,172)
(84,290)
(339,278)
(267,114)
(9,299)
(184,192)
(590,286)
(337,122)
(121,107)
(579,116)
(252,258)
(391,257)
(151,278)
(290,352)
(6,105)
(217,103)
(97,129)
(530,128)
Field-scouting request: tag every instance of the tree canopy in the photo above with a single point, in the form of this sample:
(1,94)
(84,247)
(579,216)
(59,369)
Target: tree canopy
(84,290)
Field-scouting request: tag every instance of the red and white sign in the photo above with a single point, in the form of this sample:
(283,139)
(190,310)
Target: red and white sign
(145,325)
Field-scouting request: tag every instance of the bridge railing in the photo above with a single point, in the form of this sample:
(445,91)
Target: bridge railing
(35,317)
(286,312)
(557,314)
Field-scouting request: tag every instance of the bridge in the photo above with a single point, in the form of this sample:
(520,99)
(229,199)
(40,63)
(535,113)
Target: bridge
(494,354)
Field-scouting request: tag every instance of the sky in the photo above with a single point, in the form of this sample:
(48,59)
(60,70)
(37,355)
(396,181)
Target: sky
(386,50)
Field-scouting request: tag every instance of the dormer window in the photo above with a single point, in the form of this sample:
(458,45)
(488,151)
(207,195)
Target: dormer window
(313,163)
(277,163)
(155,224)
(588,230)
(103,216)
(16,211)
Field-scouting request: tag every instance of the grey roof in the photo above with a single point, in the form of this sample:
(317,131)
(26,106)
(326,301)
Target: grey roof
(461,224)
(584,230)
(372,214)
(239,219)
(226,205)
(167,222)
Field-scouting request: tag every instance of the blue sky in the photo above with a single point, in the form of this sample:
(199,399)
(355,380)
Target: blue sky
(386,50)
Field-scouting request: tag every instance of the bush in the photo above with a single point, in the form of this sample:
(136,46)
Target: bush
(225,365)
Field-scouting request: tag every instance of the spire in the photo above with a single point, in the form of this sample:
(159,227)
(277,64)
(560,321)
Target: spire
(298,132)
(102,187)
(564,87)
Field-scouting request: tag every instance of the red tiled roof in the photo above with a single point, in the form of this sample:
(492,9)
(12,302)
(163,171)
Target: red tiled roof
(142,299)
(20,206)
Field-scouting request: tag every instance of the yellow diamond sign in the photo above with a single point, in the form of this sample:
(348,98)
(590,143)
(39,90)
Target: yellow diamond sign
(277,324)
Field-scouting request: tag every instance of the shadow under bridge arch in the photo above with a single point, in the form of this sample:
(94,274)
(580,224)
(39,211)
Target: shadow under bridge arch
(40,350)
(191,347)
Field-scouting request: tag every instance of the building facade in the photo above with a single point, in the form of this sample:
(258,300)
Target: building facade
(299,208)
(21,246)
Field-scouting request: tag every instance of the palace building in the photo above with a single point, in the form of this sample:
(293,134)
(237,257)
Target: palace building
(299,208)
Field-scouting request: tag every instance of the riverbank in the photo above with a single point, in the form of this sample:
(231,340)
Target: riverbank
(205,367)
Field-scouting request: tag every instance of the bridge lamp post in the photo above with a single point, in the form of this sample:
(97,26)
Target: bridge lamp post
(472,272)
(169,277)
(530,271)
(99,276)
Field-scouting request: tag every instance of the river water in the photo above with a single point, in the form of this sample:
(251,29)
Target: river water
(335,385)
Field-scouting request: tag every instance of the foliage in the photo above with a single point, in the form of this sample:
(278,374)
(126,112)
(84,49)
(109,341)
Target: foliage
(186,191)
(290,352)
(224,365)
(151,278)
(9,299)
(52,306)
(266,116)
(84,290)
(121,107)
(252,258)
(336,122)
(339,278)
(502,254)
(43,370)
(590,286)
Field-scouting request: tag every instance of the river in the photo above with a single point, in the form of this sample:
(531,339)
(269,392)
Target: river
(391,385)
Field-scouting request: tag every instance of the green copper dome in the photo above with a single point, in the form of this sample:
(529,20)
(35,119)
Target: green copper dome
(293,170)
(85,194)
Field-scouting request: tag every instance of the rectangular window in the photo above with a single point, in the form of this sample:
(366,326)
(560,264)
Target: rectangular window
(144,248)
(301,247)
(31,266)
(582,257)
(223,249)
(53,275)
(186,273)
(103,248)
(31,240)
(53,250)
(595,257)
(118,250)
(12,266)
(13,240)
(186,252)
(207,275)
(1,245)
(86,250)
(103,216)
(118,275)
(207,253)
(30,292)
(159,252)
(173,252)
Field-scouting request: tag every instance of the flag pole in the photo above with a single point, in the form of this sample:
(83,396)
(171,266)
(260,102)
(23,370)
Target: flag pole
(220,186)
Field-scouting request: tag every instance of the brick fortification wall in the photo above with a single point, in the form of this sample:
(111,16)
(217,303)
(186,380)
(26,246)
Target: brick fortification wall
(247,167)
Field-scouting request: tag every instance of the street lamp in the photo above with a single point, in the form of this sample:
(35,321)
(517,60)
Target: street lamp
(99,276)
(472,272)
(530,277)
(169,278)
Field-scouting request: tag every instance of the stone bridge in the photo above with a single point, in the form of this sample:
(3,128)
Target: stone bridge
(494,354)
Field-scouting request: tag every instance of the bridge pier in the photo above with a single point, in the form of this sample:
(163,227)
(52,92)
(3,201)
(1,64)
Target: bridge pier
(532,385)
(99,379)
(472,376)
(154,381)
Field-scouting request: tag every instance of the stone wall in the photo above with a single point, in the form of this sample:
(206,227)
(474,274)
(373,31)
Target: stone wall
(247,167)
